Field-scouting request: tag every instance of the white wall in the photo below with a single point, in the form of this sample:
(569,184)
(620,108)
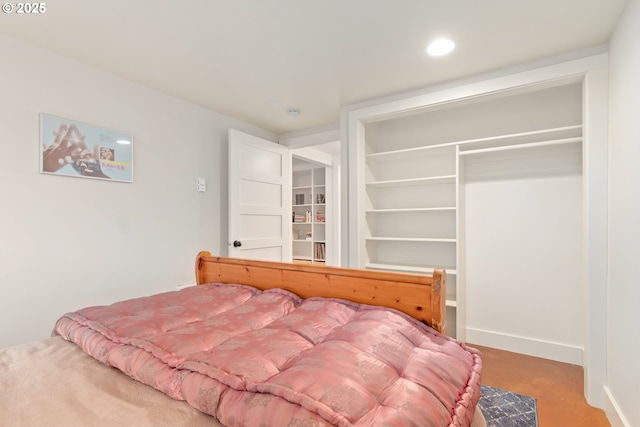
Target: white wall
(68,242)
(524,284)
(623,365)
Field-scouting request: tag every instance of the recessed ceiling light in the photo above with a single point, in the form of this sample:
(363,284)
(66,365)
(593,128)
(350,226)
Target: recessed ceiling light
(440,47)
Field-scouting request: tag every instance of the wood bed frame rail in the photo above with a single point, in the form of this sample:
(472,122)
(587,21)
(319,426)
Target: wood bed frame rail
(420,296)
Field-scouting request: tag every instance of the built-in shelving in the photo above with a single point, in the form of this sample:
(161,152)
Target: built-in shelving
(413,181)
(411,208)
(411,239)
(521,146)
(512,139)
(408,210)
(407,268)
(411,211)
(309,213)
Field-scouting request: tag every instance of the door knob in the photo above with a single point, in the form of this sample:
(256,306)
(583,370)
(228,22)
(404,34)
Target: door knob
(237,243)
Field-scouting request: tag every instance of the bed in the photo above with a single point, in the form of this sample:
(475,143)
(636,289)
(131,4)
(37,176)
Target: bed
(282,344)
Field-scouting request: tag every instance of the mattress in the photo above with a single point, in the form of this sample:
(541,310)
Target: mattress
(251,357)
(53,383)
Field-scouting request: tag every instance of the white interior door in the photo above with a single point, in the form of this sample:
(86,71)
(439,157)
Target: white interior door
(259,198)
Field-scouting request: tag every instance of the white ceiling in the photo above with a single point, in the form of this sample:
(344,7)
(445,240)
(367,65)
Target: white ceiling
(253,59)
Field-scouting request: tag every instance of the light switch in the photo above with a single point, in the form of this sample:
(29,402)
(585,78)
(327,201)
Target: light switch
(201,185)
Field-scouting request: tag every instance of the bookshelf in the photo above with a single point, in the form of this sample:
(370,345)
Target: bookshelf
(309,213)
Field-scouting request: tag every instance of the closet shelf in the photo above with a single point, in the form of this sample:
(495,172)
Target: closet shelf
(512,139)
(411,210)
(410,239)
(521,146)
(445,149)
(444,179)
(409,269)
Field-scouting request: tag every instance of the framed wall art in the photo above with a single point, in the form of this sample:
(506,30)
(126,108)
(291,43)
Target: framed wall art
(72,148)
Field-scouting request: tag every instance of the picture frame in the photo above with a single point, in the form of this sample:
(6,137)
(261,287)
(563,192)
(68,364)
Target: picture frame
(77,149)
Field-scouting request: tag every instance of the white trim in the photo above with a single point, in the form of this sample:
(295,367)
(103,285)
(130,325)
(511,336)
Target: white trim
(595,201)
(531,346)
(335,254)
(613,411)
(461,260)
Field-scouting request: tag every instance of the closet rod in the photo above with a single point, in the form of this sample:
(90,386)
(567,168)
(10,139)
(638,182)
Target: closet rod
(527,145)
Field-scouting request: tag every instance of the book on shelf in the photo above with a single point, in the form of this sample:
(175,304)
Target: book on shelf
(303,199)
(302,218)
(319,251)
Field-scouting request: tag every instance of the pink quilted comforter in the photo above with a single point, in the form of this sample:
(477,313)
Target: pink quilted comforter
(253,358)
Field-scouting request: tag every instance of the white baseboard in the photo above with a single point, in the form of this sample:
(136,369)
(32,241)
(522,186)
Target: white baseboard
(614,414)
(524,345)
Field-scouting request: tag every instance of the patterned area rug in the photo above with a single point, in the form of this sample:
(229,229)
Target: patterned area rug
(503,408)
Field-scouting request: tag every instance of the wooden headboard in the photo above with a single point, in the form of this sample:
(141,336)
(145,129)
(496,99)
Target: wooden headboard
(420,296)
